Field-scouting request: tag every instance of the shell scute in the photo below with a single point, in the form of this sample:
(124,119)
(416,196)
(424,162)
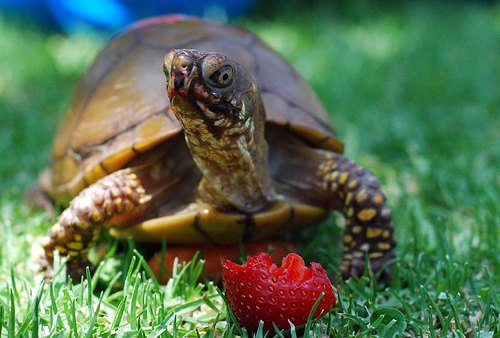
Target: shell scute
(120,107)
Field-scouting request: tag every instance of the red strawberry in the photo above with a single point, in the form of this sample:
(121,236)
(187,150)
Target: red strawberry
(259,290)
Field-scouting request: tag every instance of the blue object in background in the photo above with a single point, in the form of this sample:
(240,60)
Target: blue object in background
(114,14)
(107,14)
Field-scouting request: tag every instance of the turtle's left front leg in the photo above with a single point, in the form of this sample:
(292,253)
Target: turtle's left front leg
(356,193)
(119,193)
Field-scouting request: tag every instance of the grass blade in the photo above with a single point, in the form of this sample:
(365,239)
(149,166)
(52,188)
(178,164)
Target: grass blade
(36,317)
(12,315)
(1,318)
(307,328)
(133,318)
(119,314)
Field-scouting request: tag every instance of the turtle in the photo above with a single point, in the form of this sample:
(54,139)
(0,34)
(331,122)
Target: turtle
(197,132)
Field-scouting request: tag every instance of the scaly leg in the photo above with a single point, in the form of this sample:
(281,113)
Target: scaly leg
(119,193)
(356,193)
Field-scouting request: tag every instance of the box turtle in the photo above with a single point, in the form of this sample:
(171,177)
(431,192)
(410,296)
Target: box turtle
(237,149)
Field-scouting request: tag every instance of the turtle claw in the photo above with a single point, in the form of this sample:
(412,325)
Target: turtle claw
(379,269)
(75,269)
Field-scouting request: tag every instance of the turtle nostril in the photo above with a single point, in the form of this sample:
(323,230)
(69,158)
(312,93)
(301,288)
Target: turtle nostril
(183,61)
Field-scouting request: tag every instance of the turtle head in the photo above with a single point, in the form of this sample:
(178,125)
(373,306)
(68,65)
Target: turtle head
(218,104)
(211,91)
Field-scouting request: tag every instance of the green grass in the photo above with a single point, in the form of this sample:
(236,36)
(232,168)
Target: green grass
(413,92)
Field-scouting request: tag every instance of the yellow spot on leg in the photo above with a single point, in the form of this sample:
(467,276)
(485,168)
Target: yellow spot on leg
(57,230)
(348,239)
(129,206)
(109,208)
(366,215)
(75,246)
(356,229)
(333,176)
(349,212)
(72,253)
(115,192)
(375,255)
(373,232)
(353,184)
(128,192)
(61,249)
(386,234)
(361,196)
(343,178)
(95,217)
(384,246)
(119,205)
(378,199)
(133,182)
(348,198)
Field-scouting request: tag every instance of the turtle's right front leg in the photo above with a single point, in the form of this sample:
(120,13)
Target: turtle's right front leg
(119,193)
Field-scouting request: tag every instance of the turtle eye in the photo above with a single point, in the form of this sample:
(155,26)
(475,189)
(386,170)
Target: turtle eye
(222,77)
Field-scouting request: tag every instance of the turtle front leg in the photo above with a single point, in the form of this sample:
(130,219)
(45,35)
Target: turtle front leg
(356,193)
(79,225)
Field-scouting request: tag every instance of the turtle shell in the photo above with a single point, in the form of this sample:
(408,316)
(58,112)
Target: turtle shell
(120,108)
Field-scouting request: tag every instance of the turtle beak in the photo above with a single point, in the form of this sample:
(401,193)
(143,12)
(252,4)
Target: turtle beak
(179,68)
